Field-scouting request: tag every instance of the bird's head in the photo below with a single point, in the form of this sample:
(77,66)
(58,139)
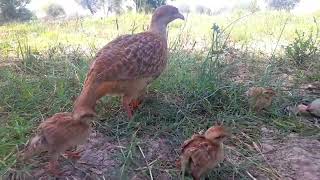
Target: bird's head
(163,15)
(84,115)
(269,92)
(33,146)
(216,134)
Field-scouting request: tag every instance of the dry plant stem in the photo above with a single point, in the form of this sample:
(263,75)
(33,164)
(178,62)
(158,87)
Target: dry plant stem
(149,168)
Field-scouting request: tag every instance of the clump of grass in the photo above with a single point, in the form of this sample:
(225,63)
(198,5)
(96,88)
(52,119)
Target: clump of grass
(35,88)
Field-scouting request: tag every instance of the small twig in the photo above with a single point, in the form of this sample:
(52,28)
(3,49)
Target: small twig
(145,167)
(279,38)
(144,157)
(250,175)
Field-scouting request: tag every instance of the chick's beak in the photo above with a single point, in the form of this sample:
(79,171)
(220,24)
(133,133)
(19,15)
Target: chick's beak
(179,16)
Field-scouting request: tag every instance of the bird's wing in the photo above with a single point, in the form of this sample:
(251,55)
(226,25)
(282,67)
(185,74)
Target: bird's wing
(201,156)
(195,139)
(130,57)
(55,128)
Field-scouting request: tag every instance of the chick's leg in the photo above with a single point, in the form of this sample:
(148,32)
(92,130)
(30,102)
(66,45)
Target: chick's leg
(196,172)
(53,165)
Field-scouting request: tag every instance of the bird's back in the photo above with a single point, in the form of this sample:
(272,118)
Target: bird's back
(200,155)
(131,57)
(61,129)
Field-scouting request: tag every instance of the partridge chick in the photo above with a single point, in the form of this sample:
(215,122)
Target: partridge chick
(260,98)
(125,66)
(202,153)
(56,135)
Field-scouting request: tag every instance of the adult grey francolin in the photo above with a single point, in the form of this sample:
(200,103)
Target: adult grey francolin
(125,66)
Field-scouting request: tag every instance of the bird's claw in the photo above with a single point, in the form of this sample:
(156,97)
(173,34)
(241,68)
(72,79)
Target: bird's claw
(72,155)
(134,104)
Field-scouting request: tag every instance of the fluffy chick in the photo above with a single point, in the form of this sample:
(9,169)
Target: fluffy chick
(202,153)
(260,98)
(56,135)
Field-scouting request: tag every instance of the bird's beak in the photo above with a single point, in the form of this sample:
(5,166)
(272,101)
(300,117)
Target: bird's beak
(179,16)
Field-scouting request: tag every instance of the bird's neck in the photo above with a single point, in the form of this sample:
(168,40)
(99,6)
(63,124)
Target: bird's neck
(159,28)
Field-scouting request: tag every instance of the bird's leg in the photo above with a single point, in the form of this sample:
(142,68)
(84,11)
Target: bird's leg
(135,103)
(73,154)
(53,167)
(126,105)
(195,172)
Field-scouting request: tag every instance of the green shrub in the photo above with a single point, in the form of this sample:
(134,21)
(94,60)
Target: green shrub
(303,47)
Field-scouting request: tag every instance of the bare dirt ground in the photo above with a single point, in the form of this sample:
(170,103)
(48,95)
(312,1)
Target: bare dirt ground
(102,158)
(293,157)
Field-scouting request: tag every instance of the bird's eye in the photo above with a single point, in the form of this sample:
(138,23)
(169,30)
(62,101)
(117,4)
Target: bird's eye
(220,137)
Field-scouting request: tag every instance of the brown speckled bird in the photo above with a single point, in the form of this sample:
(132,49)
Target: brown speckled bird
(202,153)
(260,98)
(126,65)
(56,135)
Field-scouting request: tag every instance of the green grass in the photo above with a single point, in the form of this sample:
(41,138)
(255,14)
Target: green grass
(51,60)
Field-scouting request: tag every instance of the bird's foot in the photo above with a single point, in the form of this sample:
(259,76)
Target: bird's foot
(128,109)
(130,105)
(178,163)
(53,169)
(134,104)
(130,113)
(72,155)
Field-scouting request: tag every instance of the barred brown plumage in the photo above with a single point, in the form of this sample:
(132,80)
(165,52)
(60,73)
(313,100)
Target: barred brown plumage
(56,135)
(126,65)
(202,153)
(260,98)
